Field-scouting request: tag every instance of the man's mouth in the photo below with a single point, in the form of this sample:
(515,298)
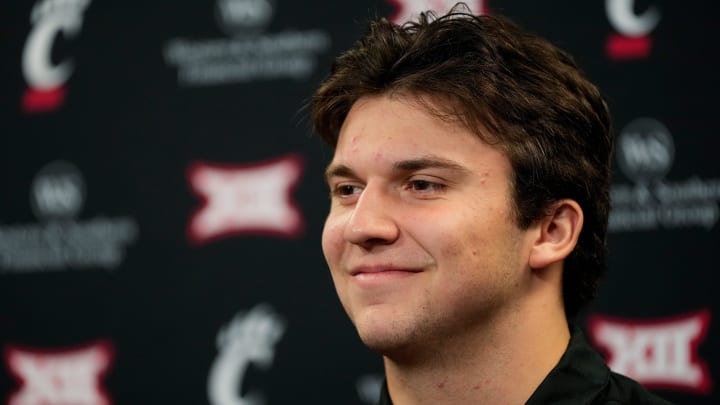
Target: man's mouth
(379,270)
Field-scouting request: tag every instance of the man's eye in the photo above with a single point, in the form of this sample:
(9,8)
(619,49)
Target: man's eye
(344,190)
(425,186)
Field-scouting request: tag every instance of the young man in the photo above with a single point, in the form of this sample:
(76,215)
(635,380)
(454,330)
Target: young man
(469,205)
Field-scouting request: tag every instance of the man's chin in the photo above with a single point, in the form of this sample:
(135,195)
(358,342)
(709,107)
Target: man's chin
(394,344)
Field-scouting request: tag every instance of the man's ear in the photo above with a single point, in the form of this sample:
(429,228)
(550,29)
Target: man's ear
(557,233)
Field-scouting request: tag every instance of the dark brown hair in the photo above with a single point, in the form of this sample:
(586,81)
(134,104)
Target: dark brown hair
(514,90)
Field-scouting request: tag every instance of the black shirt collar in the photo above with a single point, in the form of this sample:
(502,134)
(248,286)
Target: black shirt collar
(579,376)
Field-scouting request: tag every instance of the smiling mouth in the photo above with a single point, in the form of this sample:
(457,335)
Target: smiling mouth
(367,271)
(369,277)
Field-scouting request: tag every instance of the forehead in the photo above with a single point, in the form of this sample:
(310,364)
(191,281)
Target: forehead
(396,117)
(401,120)
(390,128)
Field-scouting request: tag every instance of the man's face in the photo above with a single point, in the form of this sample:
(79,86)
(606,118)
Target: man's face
(420,239)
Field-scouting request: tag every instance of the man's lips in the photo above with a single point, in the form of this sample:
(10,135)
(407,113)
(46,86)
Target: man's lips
(362,271)
(382,277)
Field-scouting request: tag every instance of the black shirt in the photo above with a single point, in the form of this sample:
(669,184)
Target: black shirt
(581,377)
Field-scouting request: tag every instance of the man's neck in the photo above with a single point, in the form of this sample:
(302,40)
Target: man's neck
(502,363)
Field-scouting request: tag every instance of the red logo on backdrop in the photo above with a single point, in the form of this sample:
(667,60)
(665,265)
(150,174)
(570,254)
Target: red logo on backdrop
(60,377)
(632,37)
(245,199)
(51,20)
(659,353)
(406,10)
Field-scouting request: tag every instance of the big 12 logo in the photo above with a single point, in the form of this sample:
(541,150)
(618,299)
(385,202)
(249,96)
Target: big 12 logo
(657,353)
(60,376)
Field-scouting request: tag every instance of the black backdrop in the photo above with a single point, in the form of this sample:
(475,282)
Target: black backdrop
(162,198)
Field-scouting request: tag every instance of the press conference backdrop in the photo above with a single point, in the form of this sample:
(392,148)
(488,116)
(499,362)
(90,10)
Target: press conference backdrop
(162,198)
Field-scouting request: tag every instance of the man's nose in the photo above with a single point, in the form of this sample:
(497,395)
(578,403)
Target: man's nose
(372,222)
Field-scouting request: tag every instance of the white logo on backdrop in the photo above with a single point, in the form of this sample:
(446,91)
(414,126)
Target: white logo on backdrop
(631,39)
(60,378)
(662,353)
(368,387)
(49,19)
(244,17)
(645,154)
(409,10)
(60,240)
(248,54)
(58,191)
(645,150)
(622,17)
(250,338)
(245,199)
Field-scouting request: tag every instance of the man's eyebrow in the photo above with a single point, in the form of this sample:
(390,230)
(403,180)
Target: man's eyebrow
(338,170)
(427,162)
(409,165)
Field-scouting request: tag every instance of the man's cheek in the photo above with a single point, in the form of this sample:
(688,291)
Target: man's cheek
(332,240)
